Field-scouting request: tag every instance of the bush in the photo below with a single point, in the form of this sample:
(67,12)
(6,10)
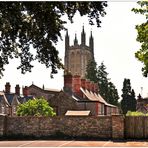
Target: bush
(129,113)
(35,107)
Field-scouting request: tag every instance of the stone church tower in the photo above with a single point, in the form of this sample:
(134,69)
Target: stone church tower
(77,56)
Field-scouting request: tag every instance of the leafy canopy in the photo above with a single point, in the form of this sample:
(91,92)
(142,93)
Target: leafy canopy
(142,37)
(35,107)
(38,24)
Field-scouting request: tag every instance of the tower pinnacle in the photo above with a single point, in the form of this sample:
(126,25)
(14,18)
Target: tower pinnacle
(91,43)
(75,40)
(83,36)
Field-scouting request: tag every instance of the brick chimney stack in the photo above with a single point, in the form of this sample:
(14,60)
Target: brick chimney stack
(83,83)
(96,88)
(77,85)
(92,86)
(68,80)
(25,91)
(7,87)
(17,89)
(88,85)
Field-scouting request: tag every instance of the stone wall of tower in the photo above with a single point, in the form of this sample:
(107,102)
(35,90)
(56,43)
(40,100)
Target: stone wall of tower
(78,55)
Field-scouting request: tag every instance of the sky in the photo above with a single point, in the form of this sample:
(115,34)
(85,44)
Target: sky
(114,44)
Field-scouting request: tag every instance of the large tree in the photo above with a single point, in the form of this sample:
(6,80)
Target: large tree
(91,71)
(142,37)
(113,96)
(103,81)
(38,24)
(128,102)
(106,88)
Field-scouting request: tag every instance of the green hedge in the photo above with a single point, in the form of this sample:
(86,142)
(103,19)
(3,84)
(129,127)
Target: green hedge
(130,113)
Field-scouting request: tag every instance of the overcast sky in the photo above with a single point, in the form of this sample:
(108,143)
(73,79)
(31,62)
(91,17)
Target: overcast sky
(114,43)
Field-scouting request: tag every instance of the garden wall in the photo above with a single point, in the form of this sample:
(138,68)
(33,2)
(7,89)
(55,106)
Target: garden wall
(73,126)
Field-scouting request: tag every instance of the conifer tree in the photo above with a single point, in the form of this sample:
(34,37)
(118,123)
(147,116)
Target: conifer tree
(106,88)
(128,102)
(103,81)
(113,96)
(91,69)
(133,101)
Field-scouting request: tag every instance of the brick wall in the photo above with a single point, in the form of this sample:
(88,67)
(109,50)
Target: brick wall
(80,126)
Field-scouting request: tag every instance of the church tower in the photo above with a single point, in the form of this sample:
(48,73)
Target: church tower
(77,56)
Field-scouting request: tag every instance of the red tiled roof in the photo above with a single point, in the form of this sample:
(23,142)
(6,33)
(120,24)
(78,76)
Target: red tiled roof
(90,96)
(94,97)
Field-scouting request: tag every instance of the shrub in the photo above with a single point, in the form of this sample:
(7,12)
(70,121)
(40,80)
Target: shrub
(35,107)
(129,113)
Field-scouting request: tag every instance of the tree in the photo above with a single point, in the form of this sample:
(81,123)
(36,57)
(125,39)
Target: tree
(113,96)
(38,24)
(128,102)
(36,107)
(103,81)
(91,71)
(142,37)
(133,101)
(106,88)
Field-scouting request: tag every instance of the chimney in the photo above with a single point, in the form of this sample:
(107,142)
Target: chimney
(17,89)
(68,80)
(88,85)
(96,88)
(77,85)
(83,83)
(25,91)
(92,86)
(7,87)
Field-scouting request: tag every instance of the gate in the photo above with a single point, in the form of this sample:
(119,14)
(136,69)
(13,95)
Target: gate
(136,127)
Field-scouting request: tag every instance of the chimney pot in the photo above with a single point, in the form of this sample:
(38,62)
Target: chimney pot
(7,87)
(88,85)
(17,89)
(83,83)
(25,91)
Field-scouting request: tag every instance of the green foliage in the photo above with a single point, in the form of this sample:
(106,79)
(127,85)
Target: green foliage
(92,71)
(128,102)
(103,81)
(106,88)
(129,113)
(39,25)
(36,107)
(142,37)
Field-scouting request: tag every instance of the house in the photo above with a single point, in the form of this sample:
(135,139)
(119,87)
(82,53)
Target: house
(86,94)
(39,92)
(4,104)
(142,104)
(78,94)
(10,100)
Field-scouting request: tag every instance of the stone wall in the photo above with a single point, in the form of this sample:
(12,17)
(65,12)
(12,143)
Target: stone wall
(79,126)
(2,125)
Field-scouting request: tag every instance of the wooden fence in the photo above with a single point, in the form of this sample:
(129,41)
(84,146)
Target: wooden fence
(136,127)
